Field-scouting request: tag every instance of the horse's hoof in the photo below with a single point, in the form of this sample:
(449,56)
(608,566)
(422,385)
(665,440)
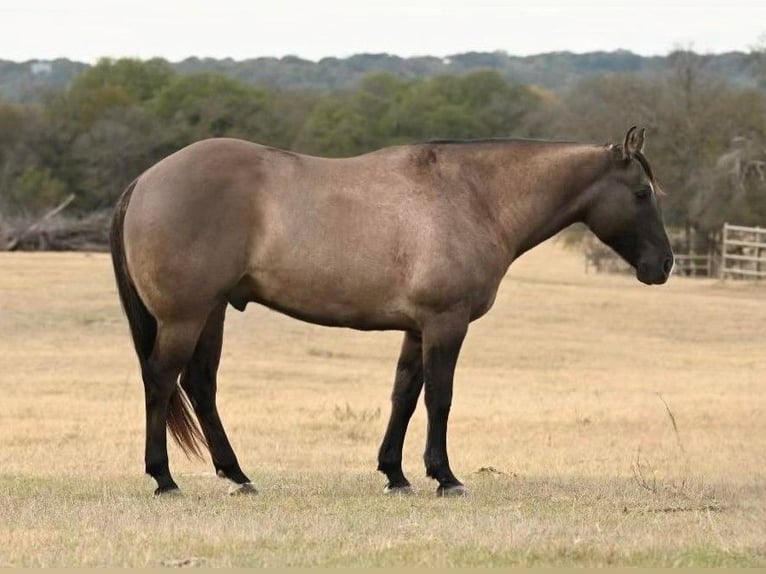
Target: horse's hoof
(244,488)
(168,491)
(452,490)
(401,490)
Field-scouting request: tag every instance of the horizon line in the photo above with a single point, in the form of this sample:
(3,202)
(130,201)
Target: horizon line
(379,54)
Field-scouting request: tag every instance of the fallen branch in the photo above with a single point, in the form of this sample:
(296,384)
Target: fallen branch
(13,244)
(58,233)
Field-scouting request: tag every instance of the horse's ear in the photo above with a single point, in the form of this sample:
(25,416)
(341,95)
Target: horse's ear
(640,138)
(634,142)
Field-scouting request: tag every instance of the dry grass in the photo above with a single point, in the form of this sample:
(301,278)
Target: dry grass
(614,423)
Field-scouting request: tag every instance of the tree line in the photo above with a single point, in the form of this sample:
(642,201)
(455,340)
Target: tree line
(706,135)
(25,81)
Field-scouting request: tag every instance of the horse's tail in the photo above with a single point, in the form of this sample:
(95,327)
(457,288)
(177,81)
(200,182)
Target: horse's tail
(143,328)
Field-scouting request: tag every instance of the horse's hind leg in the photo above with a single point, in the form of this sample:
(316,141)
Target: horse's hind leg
(407,387)
(173,347)
(199,380)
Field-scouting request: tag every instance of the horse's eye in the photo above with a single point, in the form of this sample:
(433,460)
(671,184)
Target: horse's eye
(643,192)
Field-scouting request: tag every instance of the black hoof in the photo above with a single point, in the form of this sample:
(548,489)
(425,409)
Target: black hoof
(404,490)
(242,489)
(233,474)
(450,490)
(168,490)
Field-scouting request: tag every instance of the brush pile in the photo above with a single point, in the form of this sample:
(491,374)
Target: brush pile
(56,232)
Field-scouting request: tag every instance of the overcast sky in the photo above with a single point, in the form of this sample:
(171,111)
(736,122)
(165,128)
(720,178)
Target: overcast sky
(175,29)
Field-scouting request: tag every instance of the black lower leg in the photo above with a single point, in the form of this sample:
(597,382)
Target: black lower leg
(199,381)
(407,387)
(201,393)
(173,348)
(224,460)
(435,456)
(156,454)
(441,348)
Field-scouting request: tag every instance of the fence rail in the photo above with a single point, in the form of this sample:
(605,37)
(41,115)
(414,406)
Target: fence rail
(743,252)
(695,265)
(756,230)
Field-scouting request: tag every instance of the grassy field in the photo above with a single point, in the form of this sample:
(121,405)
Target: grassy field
(561,428)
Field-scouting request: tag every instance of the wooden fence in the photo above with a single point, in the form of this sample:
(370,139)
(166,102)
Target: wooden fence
(695,265)
(743,252)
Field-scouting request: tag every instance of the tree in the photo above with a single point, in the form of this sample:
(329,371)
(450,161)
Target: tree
(26,182)
(691,119)
(113,151)
(353,122)
(197,106)
(733,189)
(139,80)
(388,111)
(338,126)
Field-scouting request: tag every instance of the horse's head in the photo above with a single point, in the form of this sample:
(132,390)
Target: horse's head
(624,213)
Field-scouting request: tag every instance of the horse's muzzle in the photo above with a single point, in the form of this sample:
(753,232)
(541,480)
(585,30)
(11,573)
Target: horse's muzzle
(655,274)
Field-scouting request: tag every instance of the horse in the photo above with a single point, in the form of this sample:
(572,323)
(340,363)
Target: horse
(414,238)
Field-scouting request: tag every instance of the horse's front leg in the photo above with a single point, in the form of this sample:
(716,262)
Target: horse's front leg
(442,339)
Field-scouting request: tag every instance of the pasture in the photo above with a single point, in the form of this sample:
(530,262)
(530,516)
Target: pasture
(596,421)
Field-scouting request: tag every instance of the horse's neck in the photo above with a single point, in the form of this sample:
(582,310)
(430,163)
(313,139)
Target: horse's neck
(540,189)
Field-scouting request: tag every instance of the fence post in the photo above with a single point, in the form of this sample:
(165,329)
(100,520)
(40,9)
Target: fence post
(758,252)
(724,237)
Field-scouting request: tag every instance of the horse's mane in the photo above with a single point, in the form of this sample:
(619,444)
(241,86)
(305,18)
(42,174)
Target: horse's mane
(646,166)
(448,141)
(641,158)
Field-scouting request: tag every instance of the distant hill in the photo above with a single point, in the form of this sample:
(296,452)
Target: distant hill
(26,81)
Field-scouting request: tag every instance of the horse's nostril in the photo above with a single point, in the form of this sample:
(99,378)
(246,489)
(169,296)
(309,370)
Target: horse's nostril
(668,265)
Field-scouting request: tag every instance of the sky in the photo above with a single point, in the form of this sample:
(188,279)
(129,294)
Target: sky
(86,30)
